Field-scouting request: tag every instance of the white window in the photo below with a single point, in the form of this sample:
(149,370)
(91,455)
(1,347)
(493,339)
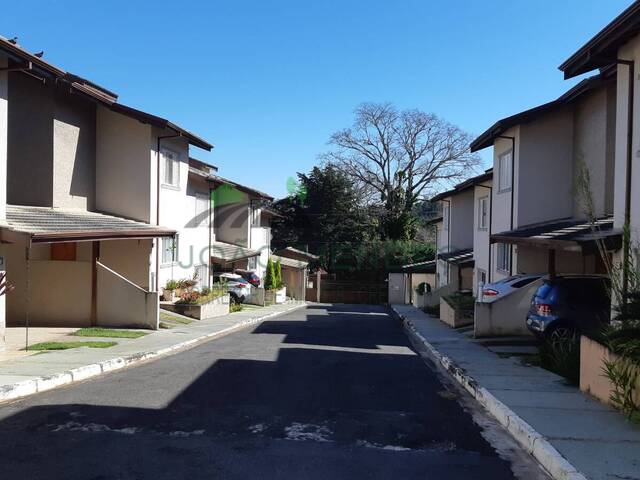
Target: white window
(255,213)
(445,216)
(202,210)
(171,168)
(505,164)
(483,213)
(503,257)
(170,250)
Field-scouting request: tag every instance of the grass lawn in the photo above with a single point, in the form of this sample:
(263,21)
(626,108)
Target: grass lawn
(67,345)
(172,318)
(108,332)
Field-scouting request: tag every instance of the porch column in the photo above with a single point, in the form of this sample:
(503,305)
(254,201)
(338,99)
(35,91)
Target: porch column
(4,122)
(551,259)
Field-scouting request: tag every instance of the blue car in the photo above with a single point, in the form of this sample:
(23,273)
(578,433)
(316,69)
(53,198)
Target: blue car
(567,305)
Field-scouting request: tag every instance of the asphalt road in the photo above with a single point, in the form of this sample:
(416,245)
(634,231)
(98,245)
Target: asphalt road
(327,392)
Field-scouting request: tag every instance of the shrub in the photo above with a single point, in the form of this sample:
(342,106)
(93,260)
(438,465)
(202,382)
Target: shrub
(561,357)
(270,277)
(461,302)
(171,285)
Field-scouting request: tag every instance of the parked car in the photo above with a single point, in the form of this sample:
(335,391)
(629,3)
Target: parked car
(567,305)
(250,277)
(497,290)
(237,286)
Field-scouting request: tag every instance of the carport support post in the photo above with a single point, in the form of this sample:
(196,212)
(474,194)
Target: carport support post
(28,296)
(551,263)
(95,255)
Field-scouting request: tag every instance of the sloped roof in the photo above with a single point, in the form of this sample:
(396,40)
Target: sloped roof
(458,257)
(419,267)
(290,262)
(463,186)
(489,136)
(290,250)
(228,252)
(602,49)
(48,225)
(94,92)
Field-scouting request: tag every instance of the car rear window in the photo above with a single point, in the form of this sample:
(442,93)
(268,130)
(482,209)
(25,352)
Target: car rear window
(544,290)
(524,282)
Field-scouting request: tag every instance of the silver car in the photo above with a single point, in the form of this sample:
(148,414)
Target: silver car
(492,292)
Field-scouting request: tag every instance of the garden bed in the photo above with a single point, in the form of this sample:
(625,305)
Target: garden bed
(208,306)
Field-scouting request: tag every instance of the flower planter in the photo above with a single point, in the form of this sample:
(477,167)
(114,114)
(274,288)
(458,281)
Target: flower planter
(592,377)
(276,296)
(215,308)
(168,295)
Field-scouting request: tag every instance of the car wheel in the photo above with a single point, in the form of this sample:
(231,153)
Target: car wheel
(234,298)
(562,334)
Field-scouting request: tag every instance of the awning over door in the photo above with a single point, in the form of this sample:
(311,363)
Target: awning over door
(576,235)
(227,252)
(27,224)
(463,258)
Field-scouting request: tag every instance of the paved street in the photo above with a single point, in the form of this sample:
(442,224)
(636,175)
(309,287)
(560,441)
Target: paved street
(321,393)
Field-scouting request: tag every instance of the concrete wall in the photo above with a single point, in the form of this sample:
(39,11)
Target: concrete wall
(232,217)
(545,162)
(121,303)
(594,149)
(630,51)
(123,174)
(260,240)
(30,141)
(74,152)
(130,258)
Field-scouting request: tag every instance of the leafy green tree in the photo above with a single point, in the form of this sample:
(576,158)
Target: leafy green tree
(270,276)
(278,275)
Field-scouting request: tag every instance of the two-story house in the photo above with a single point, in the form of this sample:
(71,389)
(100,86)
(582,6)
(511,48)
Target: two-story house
(618,46)
(544,159)
(79,198)
(456,234)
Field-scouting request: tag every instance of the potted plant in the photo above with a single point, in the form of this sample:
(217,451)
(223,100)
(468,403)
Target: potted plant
(168,292)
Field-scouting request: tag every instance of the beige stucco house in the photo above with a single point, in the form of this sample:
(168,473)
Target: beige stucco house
(618,46)
(79,201)
(539,220)
(456,234)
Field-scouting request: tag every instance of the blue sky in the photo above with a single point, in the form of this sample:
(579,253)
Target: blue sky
(267,82)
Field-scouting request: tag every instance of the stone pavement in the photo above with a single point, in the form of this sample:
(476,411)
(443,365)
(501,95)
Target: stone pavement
(26,375)
(571,434)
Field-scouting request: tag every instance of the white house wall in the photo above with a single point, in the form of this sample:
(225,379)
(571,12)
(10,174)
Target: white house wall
(462,213)
(481,236)
(4,92)
(631,51)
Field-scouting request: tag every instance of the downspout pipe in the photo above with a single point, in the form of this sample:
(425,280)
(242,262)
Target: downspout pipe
(448,237)
(626,247)
(159,141)
(513,188)
(490,219)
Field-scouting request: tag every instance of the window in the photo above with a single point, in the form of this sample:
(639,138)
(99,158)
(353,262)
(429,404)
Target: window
(445,216)
(483,213)
(255,213)
(202,210)
(171,168)
(170,250)
(503,260)
(505,165)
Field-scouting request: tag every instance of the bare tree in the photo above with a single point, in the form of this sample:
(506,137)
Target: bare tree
(399,157)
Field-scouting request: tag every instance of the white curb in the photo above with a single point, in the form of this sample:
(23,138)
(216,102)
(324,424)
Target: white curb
(535,443)
(26,388)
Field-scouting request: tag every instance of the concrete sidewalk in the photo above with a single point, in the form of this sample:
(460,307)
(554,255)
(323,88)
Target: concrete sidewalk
(572,435)
(35,373)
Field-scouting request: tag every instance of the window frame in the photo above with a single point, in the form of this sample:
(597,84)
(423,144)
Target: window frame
(175,244)
(446,214)
(503,259)
(172,156)
(501,170)
(483,213)
(201,199)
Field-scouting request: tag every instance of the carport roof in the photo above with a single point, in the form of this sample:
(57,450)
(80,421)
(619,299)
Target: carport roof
(418,267)
(458,257)
(290,262)
(50,225)
(228,252)
(568,234)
